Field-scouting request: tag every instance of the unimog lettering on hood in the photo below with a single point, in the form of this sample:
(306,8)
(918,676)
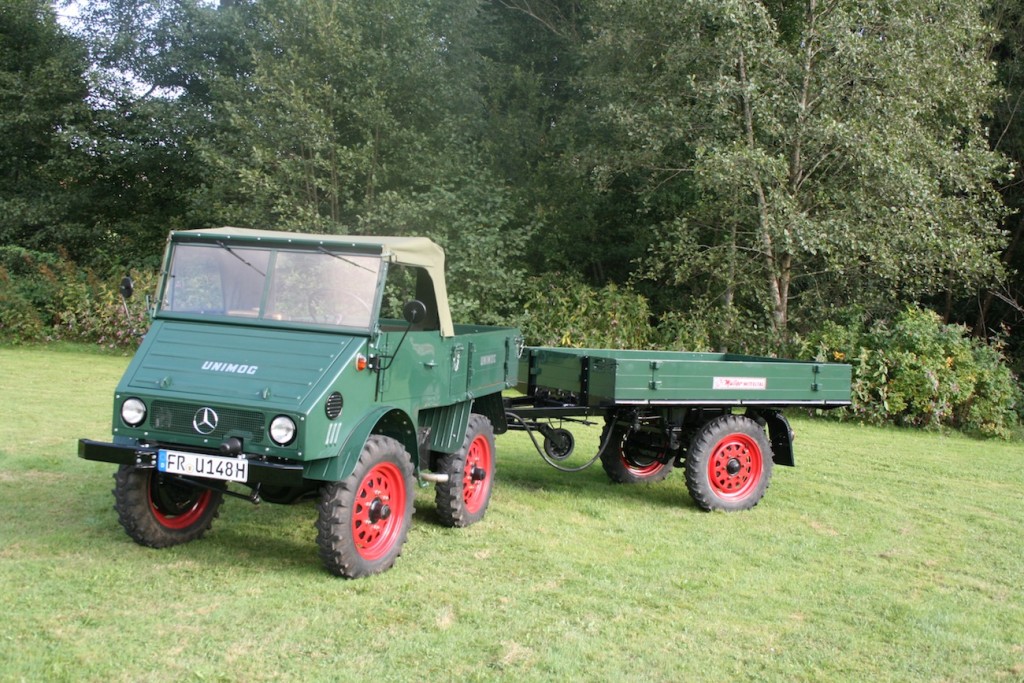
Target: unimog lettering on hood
(214,366)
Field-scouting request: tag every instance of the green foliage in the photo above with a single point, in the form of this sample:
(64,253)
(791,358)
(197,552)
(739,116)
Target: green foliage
(42,103)
(46,297)
(91,310)
(27,293)
(1001,307)
(28,272)
(846,138)
(20,321)
(683,332)
(472,218)
(562,311)
(743,165)
(917,371)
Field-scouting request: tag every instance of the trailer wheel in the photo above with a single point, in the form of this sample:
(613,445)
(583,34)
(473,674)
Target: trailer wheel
(364,520)
(729,464)
(160,512)
(463,499)
(627,461)
(559,444)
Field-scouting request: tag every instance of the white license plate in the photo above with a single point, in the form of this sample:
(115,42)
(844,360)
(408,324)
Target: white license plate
(198,465)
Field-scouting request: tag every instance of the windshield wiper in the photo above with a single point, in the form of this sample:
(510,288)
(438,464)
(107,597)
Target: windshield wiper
(346,260)
(231,251)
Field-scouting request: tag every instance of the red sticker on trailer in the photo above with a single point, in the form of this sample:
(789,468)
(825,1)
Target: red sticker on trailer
(743,383)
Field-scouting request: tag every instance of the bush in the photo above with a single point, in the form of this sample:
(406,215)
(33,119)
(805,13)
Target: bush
(27,271)
(683,332)
(43,296)
(25,292)
(562,311)
(19,320)
(917,371)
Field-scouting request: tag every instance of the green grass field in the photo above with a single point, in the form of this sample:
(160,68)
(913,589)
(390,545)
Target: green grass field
(884,555)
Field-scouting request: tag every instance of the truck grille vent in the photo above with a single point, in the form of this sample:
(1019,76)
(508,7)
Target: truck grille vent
(334,405)
(177,418)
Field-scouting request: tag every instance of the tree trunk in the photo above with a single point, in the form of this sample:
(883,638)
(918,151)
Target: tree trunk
(778,267)
(730,290)
(981,325)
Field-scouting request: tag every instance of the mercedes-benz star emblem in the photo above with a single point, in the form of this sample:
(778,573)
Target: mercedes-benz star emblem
(205,420)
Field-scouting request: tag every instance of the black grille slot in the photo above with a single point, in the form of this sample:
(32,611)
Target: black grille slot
(334,405)
(177,418)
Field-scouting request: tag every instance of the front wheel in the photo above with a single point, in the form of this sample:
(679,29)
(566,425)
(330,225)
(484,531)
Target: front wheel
(729,464)
(364,520)
(159,511)
(463,499)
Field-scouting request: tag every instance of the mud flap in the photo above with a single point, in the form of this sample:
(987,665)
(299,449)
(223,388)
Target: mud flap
(781,436)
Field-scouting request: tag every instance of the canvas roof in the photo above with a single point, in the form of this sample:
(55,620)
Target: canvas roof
(419,252)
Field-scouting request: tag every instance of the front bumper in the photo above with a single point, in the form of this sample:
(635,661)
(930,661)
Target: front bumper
(260,471)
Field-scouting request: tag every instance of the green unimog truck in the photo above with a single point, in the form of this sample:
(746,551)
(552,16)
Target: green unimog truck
(281,366)
(271,362)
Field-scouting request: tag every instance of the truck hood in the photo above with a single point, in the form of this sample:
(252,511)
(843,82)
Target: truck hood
(236,364)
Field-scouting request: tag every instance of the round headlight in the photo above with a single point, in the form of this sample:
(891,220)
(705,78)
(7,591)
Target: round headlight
(282,430)
(133,412)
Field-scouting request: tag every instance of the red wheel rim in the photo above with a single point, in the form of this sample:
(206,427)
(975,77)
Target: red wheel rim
(378,511)
(474,489)
(635,468)
(734,468)
(176,507)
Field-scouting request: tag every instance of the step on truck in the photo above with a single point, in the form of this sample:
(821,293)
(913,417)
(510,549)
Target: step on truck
(285,366)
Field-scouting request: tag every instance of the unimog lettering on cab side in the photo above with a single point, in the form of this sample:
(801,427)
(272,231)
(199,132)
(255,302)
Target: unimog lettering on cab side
(272,366)
(271,363)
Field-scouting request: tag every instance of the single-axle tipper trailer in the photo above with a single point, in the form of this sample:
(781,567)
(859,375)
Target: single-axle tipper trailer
(665,409)
(282,366)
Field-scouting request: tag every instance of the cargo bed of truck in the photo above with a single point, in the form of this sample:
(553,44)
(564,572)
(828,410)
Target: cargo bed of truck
(605,378)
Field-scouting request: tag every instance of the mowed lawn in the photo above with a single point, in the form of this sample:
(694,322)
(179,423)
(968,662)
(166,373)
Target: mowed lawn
(884,555)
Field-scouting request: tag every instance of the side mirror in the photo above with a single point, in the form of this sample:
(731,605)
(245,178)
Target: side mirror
(414,311)
(127,287)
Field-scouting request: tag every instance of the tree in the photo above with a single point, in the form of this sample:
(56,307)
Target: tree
(1002,309)
(42,106)
(327,115)
(153,64)
(835,148)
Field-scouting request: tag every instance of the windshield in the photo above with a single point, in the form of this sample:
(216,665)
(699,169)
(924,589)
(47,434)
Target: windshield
(318,287)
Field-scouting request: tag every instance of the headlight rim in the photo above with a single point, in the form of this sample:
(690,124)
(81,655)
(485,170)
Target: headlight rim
(291,428)
(142,411)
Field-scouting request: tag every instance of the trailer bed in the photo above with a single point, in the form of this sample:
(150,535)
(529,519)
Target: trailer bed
(603,378)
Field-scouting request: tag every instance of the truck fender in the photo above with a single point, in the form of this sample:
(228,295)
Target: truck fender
(781,436)
(385,420)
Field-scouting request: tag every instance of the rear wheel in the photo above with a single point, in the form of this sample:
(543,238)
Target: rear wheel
(729,464)
(463,499)
(364,520)
(628,459)
(159,511)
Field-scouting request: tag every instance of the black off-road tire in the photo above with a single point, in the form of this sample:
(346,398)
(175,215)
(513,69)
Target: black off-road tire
(624,464)
(463,499)
(729,464)
(364,520)
(158,511)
